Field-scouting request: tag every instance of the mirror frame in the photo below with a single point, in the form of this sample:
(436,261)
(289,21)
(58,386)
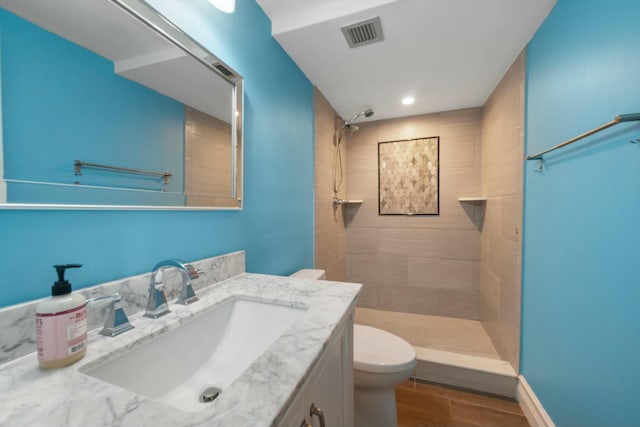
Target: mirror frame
(154,20)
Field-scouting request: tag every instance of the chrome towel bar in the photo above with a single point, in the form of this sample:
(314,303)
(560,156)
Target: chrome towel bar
(78,164)
(618,119)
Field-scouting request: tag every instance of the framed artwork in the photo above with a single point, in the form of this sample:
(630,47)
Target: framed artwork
(409,177)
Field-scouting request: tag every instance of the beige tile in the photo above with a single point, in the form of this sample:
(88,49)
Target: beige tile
(323,178)
(509,346)
(408,299)
(350,210)
(324,146)
(368,132)
(429,243)
(460,138)
(363,162)
(493,216)
(368,216)
(325,221)
(324,216)
(505,177)
(460,151)
(441,274)
(323,109)
(460,181)
(472,379)
(475,276)
(490,289)
(428,331)
(511,227)
(330,237)
(409,127)
(460,117)
(453,215)
(368,297)
(362,241)
(502,152)
(503,259)
(330,247)
(381,270)
(337,270)
(374,241)
(364,186)
(458,303)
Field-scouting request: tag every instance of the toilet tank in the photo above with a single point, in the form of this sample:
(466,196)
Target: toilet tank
(308,273)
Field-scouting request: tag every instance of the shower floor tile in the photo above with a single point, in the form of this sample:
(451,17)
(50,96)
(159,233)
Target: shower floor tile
(433,332)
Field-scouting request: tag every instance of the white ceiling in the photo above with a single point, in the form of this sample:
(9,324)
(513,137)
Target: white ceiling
(448,54)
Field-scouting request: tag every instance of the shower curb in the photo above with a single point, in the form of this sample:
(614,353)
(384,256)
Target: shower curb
(466,371)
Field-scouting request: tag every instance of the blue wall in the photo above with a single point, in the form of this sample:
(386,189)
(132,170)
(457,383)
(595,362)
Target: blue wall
(581,281)
(63,102)
(276,225)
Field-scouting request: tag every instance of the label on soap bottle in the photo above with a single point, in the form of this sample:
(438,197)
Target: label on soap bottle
(61,335)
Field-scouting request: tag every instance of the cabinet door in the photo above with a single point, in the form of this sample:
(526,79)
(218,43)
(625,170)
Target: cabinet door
(296,414)
(347,372)
(325,389)
(329,386)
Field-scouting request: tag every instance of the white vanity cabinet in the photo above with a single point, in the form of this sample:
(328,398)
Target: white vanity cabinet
(329,387)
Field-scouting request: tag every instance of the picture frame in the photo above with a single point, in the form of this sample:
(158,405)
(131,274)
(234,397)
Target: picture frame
(409,177)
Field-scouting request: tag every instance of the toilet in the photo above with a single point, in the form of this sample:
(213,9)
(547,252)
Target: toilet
(381,361)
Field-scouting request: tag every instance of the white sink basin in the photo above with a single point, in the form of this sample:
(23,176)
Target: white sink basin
(211,350)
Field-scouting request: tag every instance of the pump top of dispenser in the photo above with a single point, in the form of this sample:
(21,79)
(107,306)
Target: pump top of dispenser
(62,286)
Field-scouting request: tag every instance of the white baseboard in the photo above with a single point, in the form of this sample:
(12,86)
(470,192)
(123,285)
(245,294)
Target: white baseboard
(531,406)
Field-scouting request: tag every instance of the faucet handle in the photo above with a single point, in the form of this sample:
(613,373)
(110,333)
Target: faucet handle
(117,321)
(193,272)
(187,294)
(157,304)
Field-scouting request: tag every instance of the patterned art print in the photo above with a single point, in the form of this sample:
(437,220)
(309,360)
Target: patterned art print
(409,177)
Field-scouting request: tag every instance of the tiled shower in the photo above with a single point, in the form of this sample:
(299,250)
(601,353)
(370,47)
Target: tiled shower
(463,264)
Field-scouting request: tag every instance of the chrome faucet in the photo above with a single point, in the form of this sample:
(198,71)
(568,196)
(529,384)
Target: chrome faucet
(157,303)
(117,321)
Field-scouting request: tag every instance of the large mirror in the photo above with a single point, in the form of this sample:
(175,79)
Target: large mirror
(106,103)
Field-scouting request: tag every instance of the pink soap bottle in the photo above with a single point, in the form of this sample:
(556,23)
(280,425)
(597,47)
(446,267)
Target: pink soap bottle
(61,324)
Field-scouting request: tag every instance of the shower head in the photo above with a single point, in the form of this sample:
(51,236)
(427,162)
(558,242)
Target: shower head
(353,129)
(367,113)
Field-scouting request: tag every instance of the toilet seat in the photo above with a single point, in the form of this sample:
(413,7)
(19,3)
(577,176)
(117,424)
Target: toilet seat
(378,351)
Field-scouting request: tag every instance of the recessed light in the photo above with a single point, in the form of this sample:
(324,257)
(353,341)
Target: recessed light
(408,100)
(226,6)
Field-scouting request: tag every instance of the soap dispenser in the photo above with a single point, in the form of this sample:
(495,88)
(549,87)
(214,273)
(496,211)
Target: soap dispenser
(61,324)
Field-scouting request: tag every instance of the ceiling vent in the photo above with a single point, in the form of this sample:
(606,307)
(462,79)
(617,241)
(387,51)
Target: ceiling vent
(362,33)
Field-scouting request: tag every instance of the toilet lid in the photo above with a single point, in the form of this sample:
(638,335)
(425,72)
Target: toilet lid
(375,350)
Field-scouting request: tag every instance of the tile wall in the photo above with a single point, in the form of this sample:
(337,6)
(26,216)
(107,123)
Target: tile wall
(417,264)
(501,241)
(330,235)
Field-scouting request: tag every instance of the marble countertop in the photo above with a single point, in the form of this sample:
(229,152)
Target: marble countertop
(30,396)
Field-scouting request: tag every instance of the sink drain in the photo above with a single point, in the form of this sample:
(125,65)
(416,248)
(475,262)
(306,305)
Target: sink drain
(210,394)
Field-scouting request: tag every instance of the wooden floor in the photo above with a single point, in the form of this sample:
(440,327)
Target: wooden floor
(423,404)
